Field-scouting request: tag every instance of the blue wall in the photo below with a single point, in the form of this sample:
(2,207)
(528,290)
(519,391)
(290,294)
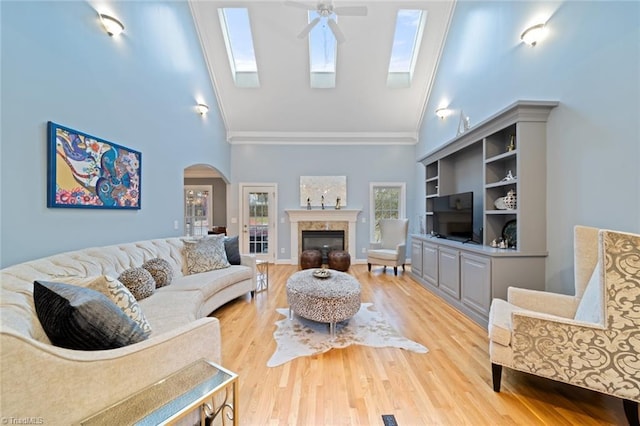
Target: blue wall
(590,63)
(137,90)
(284,164)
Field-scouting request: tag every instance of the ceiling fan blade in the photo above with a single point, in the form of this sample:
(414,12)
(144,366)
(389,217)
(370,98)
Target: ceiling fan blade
(336,31)
(351,10)
(300,5)
(308,28)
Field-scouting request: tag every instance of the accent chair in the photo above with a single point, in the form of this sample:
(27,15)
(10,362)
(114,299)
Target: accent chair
(391,249)
(592,339)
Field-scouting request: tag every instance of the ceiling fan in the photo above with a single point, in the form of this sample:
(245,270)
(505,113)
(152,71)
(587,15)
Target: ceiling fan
(326,9)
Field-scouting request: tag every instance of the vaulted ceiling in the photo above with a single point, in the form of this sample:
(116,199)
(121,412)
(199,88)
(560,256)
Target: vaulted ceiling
(361,108)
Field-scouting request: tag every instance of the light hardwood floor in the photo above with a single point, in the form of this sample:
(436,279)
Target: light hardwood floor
(449,385)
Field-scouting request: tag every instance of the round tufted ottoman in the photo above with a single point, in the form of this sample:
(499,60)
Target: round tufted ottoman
(310,259)
(339,260)
(329,300)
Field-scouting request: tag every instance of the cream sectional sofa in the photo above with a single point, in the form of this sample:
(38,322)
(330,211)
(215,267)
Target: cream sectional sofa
(53,385)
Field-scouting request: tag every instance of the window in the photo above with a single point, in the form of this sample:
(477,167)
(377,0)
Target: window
(236,29)
(387,201)
(322,53)
(406,44)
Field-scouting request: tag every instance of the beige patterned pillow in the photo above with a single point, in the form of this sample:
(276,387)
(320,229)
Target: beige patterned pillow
(160,270)
(205,254)
(139,282)
(117,292)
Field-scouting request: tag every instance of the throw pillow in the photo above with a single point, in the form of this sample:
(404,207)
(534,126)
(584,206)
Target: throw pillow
(117,292)
(139,282)
(160,270)
(591,307)
(205,254)
(81,318)
(232,248)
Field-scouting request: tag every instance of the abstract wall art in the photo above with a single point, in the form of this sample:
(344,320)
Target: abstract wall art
(89,172)
(318,190)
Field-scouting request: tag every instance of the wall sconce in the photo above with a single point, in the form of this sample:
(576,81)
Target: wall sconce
(202,109)
(442,113)
(111,24)
(533,34)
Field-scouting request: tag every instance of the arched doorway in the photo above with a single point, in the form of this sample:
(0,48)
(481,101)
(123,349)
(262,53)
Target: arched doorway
(205,200)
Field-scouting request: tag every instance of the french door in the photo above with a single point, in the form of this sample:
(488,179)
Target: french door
(258,227)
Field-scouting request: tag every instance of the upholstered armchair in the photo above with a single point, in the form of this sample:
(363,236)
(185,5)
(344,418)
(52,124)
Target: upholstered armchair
(591,339)
(391,250)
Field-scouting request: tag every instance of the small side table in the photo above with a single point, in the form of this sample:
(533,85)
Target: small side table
(195,387)
(262,275)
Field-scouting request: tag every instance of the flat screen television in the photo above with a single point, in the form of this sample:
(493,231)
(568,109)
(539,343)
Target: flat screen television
(453,216)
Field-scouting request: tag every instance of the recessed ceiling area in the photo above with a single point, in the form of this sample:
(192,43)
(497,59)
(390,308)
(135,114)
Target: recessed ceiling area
(362,108)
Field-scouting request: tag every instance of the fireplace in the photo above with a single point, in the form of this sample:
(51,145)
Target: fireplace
(342,220)
(325,241)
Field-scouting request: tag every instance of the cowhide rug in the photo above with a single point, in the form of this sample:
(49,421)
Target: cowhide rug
(302,337)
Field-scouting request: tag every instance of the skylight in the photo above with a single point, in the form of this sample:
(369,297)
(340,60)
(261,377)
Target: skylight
(322,53)
(406,45)
(236,29)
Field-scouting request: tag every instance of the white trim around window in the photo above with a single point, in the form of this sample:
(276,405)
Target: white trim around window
(402,202)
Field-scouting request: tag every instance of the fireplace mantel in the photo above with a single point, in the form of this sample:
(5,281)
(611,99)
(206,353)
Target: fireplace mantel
(332,214)
(328,215)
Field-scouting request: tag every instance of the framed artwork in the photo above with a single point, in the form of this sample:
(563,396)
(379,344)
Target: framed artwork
(88,172)
(316,190)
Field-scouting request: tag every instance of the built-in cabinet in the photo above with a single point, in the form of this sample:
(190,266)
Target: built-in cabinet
(448,271)
(503,162)
(416,253)
(469,276)
(475,275)
(429,262)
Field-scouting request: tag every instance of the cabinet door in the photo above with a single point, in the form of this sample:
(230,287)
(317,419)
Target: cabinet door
(475,274)
(430,264)
(449,271)
(416,257)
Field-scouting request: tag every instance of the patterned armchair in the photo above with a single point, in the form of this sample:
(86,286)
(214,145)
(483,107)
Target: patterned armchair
(592,339)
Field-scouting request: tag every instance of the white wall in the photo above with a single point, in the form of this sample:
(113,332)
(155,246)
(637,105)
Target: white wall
(590,63)
(138,90)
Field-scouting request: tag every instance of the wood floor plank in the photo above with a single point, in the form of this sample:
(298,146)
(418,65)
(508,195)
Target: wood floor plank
(450,385)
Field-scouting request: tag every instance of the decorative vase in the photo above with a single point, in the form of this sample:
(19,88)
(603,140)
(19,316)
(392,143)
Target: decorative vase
(510,200)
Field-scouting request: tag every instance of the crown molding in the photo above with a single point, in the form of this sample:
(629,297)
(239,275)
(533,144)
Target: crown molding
(323,138)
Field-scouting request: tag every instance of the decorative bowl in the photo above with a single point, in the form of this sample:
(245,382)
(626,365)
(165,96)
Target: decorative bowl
(322,273)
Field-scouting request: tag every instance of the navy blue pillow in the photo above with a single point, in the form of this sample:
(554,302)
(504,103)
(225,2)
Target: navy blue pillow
(81,318)
(231,246)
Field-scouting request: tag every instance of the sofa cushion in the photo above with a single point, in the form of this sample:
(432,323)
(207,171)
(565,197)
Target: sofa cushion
(167,310)
(160,270)
(232,248)
(211,282)
(382,254)
(117,292)
(81,318)
(205,254)
(500,315)
(139,281)
(591,306)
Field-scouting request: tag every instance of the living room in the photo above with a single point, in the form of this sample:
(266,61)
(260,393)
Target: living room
(140,91)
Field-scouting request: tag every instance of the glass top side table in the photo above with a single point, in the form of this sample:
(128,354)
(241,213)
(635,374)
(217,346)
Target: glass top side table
(262,279)
(172,398)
